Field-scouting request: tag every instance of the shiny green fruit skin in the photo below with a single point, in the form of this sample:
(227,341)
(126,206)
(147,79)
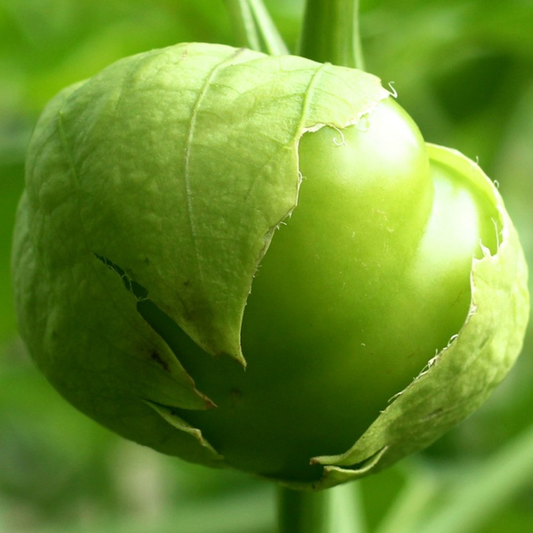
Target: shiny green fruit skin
(163,190)
(366,282)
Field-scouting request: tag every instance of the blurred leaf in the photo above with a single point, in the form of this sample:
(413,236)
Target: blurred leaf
(11,183)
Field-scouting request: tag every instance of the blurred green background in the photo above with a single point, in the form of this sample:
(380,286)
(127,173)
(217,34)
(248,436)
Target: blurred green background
(464,70)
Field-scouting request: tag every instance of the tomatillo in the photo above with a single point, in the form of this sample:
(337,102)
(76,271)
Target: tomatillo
(257,262)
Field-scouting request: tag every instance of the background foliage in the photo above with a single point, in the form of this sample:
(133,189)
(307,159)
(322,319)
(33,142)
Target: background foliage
(464,70)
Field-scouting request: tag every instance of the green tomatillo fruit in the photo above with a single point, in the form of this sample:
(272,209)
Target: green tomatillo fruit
(257,262)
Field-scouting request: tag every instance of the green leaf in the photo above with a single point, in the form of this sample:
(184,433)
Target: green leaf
(168,171)
(181,425)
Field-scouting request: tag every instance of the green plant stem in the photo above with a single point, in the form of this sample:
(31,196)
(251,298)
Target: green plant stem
(272,42)
(334,510)
(303,512)
(244,28)
(254,28)
(331,33)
